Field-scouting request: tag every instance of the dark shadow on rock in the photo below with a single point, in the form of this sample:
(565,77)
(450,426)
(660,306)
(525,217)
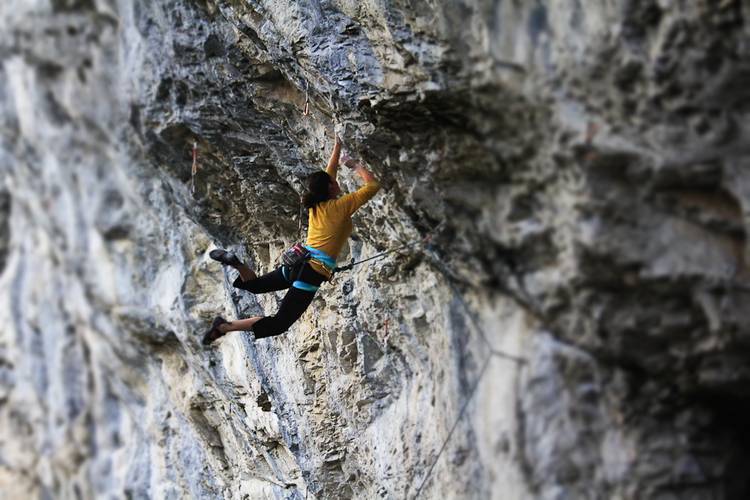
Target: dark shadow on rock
(4,228)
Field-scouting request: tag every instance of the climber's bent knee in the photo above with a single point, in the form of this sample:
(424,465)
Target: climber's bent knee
(295,303)
(269,282)
(269,327)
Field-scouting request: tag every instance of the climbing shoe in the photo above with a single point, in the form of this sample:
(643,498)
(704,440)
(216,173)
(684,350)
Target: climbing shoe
(226,258)
(214,333)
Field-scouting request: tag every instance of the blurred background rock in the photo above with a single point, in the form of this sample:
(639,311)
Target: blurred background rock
(616,267)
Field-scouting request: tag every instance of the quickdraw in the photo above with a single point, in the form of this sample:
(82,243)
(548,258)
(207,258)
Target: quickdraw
(194,169)
(306,109)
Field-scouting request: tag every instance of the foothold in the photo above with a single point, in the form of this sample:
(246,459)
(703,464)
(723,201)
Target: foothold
(213,47)
(163,90)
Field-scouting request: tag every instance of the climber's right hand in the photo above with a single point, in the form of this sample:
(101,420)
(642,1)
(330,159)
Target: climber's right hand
(348,160)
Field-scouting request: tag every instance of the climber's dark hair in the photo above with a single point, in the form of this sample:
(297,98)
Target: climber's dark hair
(316,189)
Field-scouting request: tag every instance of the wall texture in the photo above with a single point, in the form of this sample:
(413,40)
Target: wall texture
(614,273)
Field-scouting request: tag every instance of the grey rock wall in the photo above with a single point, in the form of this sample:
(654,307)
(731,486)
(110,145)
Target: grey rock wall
(575,327)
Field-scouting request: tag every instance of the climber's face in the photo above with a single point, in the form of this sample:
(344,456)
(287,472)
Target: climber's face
(333,189)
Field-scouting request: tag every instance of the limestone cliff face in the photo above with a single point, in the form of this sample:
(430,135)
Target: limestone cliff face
(616,271)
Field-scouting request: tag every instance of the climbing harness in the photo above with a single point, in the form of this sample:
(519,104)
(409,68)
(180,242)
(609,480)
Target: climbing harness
(294,259)
(323,259)
(294,255)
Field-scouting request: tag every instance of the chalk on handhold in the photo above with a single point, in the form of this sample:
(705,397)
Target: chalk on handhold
(345,157)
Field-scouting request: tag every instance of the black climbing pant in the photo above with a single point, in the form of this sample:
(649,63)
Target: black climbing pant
(295,301)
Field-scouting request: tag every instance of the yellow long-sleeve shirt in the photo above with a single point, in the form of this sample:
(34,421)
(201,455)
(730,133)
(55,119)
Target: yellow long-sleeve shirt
(330,222)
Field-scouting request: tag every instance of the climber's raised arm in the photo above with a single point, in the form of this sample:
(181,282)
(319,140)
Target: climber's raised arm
(333,164)
(362,172)
(352,201)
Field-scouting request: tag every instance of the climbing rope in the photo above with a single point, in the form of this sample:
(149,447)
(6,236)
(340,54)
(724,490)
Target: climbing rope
(438,263)
(381,254)
(472,317)
(461,414)
(493,353)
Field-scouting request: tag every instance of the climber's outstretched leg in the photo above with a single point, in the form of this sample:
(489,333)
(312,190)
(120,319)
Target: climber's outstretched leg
(230,259)
(295,303)
(239,325)
(278,279)
(221,327)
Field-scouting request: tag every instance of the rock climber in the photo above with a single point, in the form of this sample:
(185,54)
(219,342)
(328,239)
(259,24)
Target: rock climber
(329,226)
